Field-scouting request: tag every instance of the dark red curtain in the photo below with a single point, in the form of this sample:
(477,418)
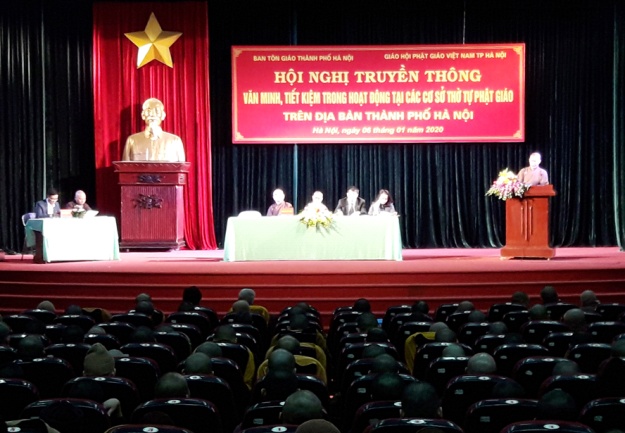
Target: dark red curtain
(120,89)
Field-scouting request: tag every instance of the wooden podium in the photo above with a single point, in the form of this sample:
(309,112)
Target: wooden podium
(527,225)
(152,203)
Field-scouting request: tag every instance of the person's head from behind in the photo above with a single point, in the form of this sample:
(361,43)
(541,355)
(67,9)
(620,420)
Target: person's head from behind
(507,389)
(384,198)
(209,348)
(278,195)
(384,363)
(465,306)
(372,351)
(481,363)
(198,363)
(366,321)
(574,319)
(420,307)
(142,334)
(535,160)
(497,328)
(299,323)
(476,316)
(145,307)
(549,295)
(454,351)
(52,196)
(445,335)
(248,295)
(46,305)
(225,333)
(193,295)
(281,360)
(72,334)
(288,343)
(376,335)
(89,389)
(301,406)
(557,404)
(241,307)
(73,310)
(142,297)
(278,385)
(98,362)
(387,386)
(566,368)
(618,348)
(317,426)
(171,385)
(419,400)
(538,312)
(588,299)
(30,347)
(362,305)
(80,197)
(520,298)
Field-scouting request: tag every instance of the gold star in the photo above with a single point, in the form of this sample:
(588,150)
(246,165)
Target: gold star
(153,43)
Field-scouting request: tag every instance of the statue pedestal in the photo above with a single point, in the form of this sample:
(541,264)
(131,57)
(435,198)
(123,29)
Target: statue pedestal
(152,203)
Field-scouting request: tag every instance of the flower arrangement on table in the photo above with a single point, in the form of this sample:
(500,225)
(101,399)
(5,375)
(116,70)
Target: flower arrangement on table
(316,218)
(507,185)
(79,213)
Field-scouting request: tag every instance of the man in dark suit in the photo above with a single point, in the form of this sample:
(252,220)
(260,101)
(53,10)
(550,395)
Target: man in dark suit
(48,207)
(351,204)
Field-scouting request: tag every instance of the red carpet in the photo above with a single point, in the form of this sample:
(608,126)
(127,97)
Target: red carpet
(435,275)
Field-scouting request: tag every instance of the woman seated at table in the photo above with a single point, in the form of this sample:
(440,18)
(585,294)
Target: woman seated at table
(382,204)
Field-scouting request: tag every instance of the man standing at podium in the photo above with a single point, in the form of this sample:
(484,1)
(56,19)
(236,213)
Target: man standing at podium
(153,144)
(533,175)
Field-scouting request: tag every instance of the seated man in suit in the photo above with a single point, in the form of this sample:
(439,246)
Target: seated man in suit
(351,204)
(48,207)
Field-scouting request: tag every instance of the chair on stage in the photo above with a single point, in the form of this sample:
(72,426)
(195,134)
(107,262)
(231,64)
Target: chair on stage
(25,217)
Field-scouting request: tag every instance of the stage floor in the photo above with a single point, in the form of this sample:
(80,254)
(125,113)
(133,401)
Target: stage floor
(436,275)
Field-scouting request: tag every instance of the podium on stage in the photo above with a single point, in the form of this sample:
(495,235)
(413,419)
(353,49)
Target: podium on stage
(527,224)
(152,203)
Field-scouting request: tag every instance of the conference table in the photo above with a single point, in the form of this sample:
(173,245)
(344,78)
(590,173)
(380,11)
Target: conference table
(287,238)
(73,239)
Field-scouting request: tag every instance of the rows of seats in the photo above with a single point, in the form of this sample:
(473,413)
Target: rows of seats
(525,355)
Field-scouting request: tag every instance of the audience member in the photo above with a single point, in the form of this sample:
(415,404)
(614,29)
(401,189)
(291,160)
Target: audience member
(317,426)
(384,363)
(249,295)
(302,406)
(227,334)
(481,363)
(197,363)
(476,316)
(566,368)
(588,301)
(171,385)
(507,389)
(30,347)
(292,345)
(46,305)
(387,386)
(365,322)
(193,295)
(538,312)
(576,321)
(549,295)
(498,328)
(453,350)
(420,400)
(98,362)
(557,405)
(362,305)
(520,298)
(142,334)
(209,348)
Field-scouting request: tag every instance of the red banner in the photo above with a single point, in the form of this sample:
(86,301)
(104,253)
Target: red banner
(381,94)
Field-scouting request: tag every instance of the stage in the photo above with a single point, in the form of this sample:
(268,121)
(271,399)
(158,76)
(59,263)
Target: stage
(435,275)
